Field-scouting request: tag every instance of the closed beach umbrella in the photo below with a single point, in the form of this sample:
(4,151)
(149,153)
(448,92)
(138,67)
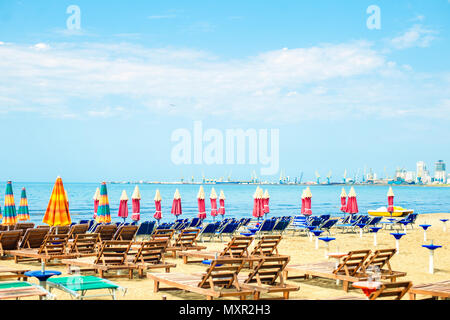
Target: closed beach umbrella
(308,196)
(23,213)
(266,198)
(136,204)
(258,207)
(213,199)
(302,210)
(123,206)
(343,200)
(158,213)
(390,196)
(222,203)
(352,204)
(9,212)
(103,212)
(201,203)
(261,202)
(57,213)
(96,201)
(176,204)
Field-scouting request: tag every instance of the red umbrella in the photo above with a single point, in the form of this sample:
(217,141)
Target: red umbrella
(266,198)
(176,204)
(390,196)
(136,205)
(213,198)
(258,207)
(352,204)
(302,210)
(307,196)
(343,200)
(96,201)
(158,214)
(123,206)
(201,203)
(222,203)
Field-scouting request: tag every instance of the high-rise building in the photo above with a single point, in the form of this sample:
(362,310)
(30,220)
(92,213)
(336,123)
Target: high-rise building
(439,172)
(421,172)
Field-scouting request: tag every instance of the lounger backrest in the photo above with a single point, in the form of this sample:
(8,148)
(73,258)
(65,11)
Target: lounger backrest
(59,229)
(163,234)
(33,238)
(76,229)
(267,246)
(268,270)
(106,231)
(85,243)
(222,273)
(125,233)
(150,252)
(380,258)
(54,244)
(187,238)
(9,240)
(24,226)
(393,290)
(113,252)
(329,223)
(352,263)
(237,247)
(210,228)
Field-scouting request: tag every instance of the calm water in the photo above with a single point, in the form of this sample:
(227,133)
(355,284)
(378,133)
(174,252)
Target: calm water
(284,199)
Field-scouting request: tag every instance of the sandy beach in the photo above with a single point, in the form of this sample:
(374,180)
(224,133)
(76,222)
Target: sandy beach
(413,259)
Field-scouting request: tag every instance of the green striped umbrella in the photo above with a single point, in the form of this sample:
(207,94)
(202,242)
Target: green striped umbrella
(23,213)
(103,212)
(9,214)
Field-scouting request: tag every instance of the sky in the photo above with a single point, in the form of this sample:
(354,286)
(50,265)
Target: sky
(96,90)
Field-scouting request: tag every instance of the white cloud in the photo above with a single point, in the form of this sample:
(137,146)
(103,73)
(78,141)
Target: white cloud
(416,36)
(166,16)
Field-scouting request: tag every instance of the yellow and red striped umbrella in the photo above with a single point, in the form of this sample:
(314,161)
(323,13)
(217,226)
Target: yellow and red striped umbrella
(57,213)
(9,214)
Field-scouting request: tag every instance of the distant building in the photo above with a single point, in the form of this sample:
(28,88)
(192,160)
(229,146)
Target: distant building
(422,174)
(410,176)
(439,172)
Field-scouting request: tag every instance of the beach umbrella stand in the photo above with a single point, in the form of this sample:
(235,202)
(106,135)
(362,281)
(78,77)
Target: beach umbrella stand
(397,236)
(444,221)
(375,230)
(431,247)
(425,227)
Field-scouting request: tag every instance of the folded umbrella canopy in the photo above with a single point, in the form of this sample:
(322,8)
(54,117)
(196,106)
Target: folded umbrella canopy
(390,196)
(158,213)
(123,206)
(9,212)
(307,202)
(352,204)
(266,198)
(23,213)
(103,212)
(201,203)
(176,204)
(57,213)
(258,207)
(302,210)
(213,198)
(136,204)
(343,200)
(222,203)
(96,199)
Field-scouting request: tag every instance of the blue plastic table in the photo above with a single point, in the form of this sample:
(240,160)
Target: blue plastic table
(397,236)
(317,233)
(431,248)
(425,227)
(327,240)
(374,230)
(42,276)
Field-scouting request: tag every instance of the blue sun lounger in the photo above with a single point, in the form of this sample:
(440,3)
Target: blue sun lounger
(78,286)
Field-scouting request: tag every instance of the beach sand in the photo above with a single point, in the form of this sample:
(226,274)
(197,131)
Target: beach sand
(413,259)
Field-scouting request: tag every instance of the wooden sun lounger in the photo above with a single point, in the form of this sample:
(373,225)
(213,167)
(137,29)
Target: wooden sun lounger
(388,291)
(106,231)
(381,260)
(59,230)
(236,248)
(150,255)
(439,290)
(84,244)
(9,240)
(53,247)
(125,233)
(22,289)
(13,273)
(266,246)
(186,240)
(80,228)
(265,275)
(349,270)
(220,280)
(33,238)
(166,234)
(111,257)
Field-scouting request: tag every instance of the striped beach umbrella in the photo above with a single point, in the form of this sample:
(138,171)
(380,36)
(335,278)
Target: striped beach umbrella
(222,203)
(266,198)
(176,204)
(103,212)
(343,200)
(352,204)
(57,213)
(96,199)
(307,196)
(136,204)
(23,213)
(201,203)
(9,212)
(390,196)
(123,206)
(158,212)
(213,199)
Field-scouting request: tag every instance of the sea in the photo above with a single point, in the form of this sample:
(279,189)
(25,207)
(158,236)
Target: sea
(284,199)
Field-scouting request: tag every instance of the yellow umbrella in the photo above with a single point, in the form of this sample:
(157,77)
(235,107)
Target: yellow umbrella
(57,213)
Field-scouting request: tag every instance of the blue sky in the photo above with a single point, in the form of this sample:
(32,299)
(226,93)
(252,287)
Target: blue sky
(101,103)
